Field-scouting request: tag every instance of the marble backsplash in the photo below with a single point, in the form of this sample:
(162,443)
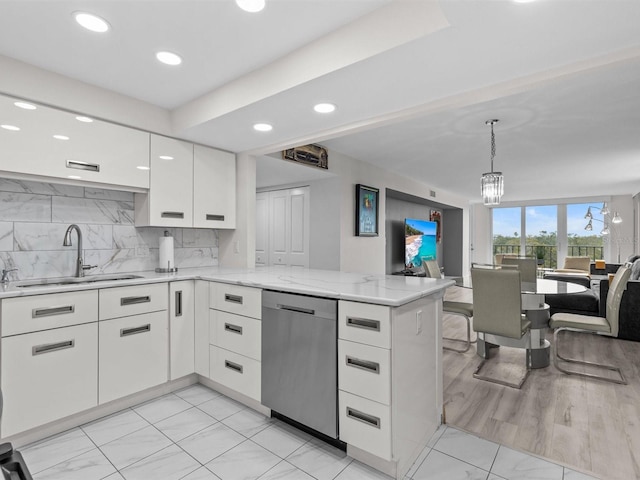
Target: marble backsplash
(34,217)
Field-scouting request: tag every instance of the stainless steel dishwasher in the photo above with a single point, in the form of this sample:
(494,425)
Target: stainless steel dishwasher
(299,359)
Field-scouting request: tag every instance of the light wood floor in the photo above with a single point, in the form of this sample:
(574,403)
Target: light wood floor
(588,424)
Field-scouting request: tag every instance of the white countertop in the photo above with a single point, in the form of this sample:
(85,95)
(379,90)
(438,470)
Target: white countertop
(378,289)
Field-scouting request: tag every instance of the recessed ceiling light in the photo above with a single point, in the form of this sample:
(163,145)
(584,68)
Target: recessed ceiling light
(169,58)
(251,5)
(91,22)
(165,157)
(81,118)
(524,1)
(324,107)
(25,105)
(11,128)
(142,167)
(263,127)
(61,137)
(74,177)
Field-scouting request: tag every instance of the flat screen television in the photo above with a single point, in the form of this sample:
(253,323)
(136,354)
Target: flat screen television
(419,242)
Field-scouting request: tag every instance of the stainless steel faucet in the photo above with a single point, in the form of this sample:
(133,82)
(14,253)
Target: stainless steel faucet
(80,266)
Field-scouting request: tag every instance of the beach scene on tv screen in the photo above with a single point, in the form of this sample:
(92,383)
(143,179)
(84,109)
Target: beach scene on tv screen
(420,241)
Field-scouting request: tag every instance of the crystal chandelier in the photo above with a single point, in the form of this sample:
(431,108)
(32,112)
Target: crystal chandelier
(492,183)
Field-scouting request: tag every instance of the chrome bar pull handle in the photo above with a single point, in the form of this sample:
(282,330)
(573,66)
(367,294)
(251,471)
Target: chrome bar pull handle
(90,167)
(172,214)
(233,366)
(179,303)
(124,301)
(52,347)
(50,311)
(365,323)
(230,327)
(216,218)
(306,311)
(363,417)
(373,367)
(125,332)
(233,298)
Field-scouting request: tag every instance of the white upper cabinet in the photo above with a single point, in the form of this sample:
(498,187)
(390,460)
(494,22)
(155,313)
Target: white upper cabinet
(191,186)
(171,182)
(214,187)
(47,142)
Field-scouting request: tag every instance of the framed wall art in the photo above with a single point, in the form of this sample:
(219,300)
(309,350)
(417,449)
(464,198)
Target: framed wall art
(436,217)
(366,211)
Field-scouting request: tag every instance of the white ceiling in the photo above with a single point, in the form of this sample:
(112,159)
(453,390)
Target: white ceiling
(414,81)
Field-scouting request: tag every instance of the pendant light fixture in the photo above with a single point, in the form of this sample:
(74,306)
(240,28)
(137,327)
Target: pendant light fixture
(492,183)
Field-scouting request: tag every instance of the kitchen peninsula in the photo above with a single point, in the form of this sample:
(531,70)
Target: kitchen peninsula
(160,332)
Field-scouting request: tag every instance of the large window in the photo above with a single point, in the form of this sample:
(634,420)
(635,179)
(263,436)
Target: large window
(539,231)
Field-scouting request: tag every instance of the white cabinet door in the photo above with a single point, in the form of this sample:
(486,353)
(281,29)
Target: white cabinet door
(214,187)
(262,228)
(133,354)
(48,375)
(201,328)
(285,227)
(171,183)
(181,328)
(54,143)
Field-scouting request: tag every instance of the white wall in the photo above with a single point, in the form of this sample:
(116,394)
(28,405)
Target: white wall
(367,254)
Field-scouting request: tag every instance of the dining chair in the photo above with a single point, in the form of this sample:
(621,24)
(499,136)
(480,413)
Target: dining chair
(570,322)
(464,309)
(528,267)
(498,318)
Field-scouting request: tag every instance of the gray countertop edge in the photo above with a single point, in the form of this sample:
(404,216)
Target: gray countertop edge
(386,290)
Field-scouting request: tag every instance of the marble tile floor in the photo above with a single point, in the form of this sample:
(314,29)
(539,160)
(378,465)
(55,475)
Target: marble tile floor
(198,434)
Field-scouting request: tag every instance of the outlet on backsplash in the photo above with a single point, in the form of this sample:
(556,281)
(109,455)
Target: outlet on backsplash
(142,251)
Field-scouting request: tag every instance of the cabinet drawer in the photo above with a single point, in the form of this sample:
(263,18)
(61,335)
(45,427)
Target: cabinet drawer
(365,424)
(236,299)
(48,375)
(236,333)
(123,301)
(42,312)
(365,323)
(133,354)
(235,371)
(365,371)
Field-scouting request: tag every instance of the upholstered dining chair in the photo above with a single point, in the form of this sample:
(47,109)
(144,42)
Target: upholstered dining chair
(498,318)
(587,324)
(464,309)
(528,267)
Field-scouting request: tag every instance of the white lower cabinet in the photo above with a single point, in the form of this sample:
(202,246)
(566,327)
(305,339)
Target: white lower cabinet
(133,354)
(235,334)
(181,328)
(48,375)
(365,424)
(235,371)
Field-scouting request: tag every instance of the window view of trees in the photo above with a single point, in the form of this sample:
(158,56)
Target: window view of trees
(541,233)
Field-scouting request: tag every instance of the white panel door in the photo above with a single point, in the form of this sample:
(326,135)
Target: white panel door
(181,329)
(279,227)
(282,227)
(262,228)
(299,227)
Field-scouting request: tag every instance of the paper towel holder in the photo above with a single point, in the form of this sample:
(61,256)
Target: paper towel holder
(169,269)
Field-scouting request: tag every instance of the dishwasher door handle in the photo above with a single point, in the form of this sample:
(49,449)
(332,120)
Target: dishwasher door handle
(306,311)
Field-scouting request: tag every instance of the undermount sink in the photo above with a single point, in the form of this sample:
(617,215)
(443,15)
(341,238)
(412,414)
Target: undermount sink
(47,282)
